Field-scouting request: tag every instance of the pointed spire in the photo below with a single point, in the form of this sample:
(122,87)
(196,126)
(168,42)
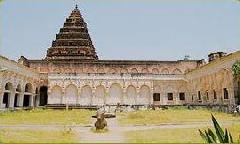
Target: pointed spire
(73,40)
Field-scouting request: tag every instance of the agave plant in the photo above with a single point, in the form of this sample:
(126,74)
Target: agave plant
(219,136)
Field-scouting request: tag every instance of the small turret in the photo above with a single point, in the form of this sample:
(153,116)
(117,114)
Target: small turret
(24,61)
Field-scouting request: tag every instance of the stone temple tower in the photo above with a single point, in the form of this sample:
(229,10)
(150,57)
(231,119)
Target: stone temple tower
(73,41)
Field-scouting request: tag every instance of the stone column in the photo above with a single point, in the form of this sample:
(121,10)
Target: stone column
(151,97)
(92,96)
(79,96)
(176,94)
(12,97)
(219,97)
(138,96)
(164,99)
(231,96)
(63,98)
(1,97)
(32,99)
(124,96)
(106,96)
(37,100)
(21,95)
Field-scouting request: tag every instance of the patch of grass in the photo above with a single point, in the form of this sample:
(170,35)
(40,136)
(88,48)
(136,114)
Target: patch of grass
(176,135)
(41,116)
(36,136)
(172,115)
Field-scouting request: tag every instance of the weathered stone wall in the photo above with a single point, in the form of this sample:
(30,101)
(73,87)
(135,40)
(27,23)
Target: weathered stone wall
(15,82)
(212,78)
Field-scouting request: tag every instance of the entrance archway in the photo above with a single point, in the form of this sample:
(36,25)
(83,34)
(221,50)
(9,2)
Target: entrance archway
(43,96)
(7,94)
(27,95)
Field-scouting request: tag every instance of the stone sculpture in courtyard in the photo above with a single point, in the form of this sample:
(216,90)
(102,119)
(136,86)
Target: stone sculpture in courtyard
(101,122)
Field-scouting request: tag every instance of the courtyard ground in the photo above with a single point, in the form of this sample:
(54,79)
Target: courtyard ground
(172,125)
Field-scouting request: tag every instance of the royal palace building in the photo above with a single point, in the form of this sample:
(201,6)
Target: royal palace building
(72,74)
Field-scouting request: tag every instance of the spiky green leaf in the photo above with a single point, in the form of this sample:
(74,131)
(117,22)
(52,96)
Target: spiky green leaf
(226,139)
(231,139)
(210,132)
(209,139)
(204,137)
(218,129)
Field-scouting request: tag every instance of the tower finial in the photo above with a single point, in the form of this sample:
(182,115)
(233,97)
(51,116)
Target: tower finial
(76,6)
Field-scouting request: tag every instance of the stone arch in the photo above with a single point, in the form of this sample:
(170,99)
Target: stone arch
(71,94)
(177,71)
(28,88)
(100,70)
(85,95)
(112,71)
(8,86)
(28,95)
(56,95)
(134,70)
(19,88)
(8,91)
(115,94)
(124,70)
(89,70)
(43,98)
(99,96)
(145,70)
(131,95)
(155,71)
(144,95)
(165,71)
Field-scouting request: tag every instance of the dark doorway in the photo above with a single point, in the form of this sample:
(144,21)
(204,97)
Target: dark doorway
(16,100)
(156,97)
(225,93)
(6,100)
(43,96)
(26,100)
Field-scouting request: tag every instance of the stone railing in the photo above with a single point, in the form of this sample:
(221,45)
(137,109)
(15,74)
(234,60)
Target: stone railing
(118,76)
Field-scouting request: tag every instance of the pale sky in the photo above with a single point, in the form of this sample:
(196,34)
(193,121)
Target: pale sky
(124,29)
